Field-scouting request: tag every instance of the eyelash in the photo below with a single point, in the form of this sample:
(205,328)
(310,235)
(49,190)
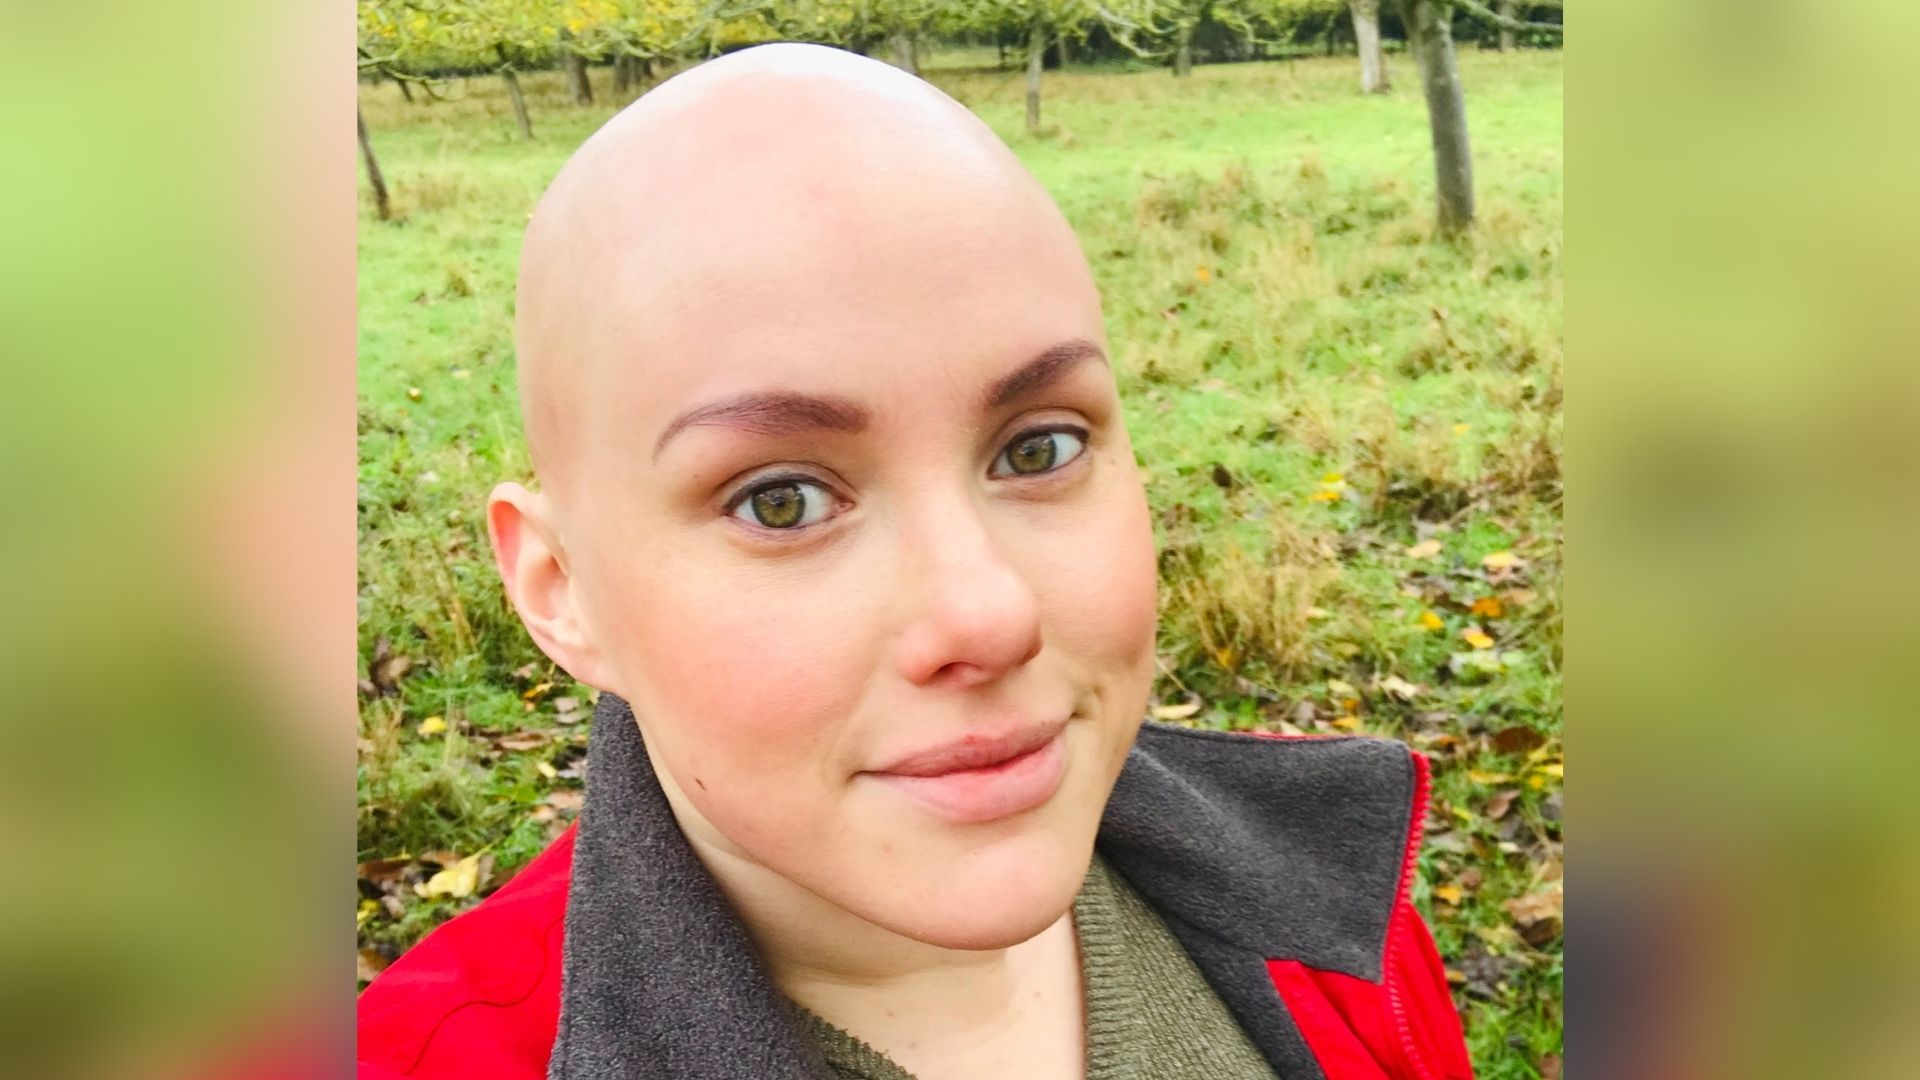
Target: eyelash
(797,479)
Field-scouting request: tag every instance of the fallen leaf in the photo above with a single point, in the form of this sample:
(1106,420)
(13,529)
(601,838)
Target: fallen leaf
(1332,479)
(1202,274)
(1345,723)
(1177,712)
(523,740)
(1325,495)
(1501,560)
(413,393)
(1221,477)
(383,872)
(1431,621)
(1487,778)
(369,965)
(534,693)
(1521,597)
(565,704)
(1425,549)
(1501,802)
(457,881)
(1462,429)
(433,725)
(385,670)
(1549,1067)
(1476,637)
(1340,688)
(546,769)
(1399,687)
(1538,915)
(1488,607)
(1452,894)
(566,800)
(1555,769)
(1518,739)
(1318,613)
(1470,878)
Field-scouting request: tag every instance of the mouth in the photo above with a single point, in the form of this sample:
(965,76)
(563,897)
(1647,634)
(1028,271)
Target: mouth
(982,778)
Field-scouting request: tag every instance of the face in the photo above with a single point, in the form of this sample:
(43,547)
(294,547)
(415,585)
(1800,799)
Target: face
(864,544)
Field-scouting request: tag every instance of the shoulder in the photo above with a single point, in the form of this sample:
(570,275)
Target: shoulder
(481,994)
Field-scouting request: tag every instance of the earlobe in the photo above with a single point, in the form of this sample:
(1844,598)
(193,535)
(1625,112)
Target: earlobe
(528,552)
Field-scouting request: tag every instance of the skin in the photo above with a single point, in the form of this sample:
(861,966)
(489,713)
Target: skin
(794,220)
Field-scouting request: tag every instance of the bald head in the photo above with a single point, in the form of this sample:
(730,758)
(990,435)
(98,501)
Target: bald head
(776,190)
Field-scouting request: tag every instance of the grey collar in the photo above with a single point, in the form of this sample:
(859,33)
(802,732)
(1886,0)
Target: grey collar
(1251,849)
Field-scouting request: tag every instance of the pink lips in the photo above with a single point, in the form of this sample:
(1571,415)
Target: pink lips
(983,778)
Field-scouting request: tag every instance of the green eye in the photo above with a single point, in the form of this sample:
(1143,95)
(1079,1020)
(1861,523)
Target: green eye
(783,504)
(1038,452)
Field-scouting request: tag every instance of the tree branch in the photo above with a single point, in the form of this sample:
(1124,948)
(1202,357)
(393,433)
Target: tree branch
(1473,7)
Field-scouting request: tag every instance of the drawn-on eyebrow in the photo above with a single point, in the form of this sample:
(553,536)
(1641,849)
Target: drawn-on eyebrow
(1044,370)
(771,414)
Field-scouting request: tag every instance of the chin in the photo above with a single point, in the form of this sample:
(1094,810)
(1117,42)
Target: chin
(996,896)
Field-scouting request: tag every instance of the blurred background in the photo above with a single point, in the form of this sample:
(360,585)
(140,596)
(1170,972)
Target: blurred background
(1334,298)
(190,602)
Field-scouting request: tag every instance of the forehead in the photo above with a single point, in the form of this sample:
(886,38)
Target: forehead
(864,291)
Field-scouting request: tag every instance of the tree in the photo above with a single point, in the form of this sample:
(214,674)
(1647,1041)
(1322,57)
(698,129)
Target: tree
(1040,23)
(1366,36)
(1430,36)
(380,201)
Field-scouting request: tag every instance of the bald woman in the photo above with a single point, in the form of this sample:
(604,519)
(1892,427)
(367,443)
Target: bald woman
(838,511)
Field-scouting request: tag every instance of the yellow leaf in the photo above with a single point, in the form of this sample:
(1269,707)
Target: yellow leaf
(1555,769)
(1425,549)
(1431,621)
(1489,606)
(1176,712)
(1500,560)
(1463,814)
(367,910)
(1452,894)
(1537,782)
(433,725)
(1340,688)
(457,881)
(1318,613)
(413,393)
(1345,723)
(1202,274)
(1476,637)
(1462,429)
(1332,478)
(1480,777)
(547,770)
(536,691)
(1325,495)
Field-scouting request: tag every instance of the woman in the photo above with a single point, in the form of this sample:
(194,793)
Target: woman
(839,512)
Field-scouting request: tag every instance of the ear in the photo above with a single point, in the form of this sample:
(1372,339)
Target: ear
(533,566)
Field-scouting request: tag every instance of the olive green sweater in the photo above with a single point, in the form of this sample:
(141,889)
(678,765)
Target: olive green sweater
(1150,1013)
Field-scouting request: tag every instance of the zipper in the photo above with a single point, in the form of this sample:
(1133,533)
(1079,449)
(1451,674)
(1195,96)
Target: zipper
(1403,898)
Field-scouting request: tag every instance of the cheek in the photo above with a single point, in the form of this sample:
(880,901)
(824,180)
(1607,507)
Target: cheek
(1101,595)
(747,687)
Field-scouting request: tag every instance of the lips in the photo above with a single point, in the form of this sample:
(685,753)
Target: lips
(982,778)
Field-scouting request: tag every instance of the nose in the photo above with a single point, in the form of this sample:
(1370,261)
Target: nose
(976,617)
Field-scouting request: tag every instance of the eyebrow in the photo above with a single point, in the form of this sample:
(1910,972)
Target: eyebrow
(782,413)
(772,415)
(1042,371)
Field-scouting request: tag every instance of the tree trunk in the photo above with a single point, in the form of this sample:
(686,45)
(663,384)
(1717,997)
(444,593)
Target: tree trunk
(1430,35)
(1366,33)
(513,93)
(1505,7)
(1066,52)
(577,75)
(622,75)
(405,90)
(1183,53)
(1036,53)
(379,183)
(903,53)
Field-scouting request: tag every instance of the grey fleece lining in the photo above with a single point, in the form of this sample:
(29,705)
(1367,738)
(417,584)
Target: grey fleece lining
(1249,848)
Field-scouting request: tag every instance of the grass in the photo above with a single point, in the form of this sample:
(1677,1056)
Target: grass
(1314,383)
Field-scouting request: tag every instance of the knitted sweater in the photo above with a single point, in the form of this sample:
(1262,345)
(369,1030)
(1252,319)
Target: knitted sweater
(1150,1012)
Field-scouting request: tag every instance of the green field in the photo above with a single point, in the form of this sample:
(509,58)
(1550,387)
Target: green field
(1351,433)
